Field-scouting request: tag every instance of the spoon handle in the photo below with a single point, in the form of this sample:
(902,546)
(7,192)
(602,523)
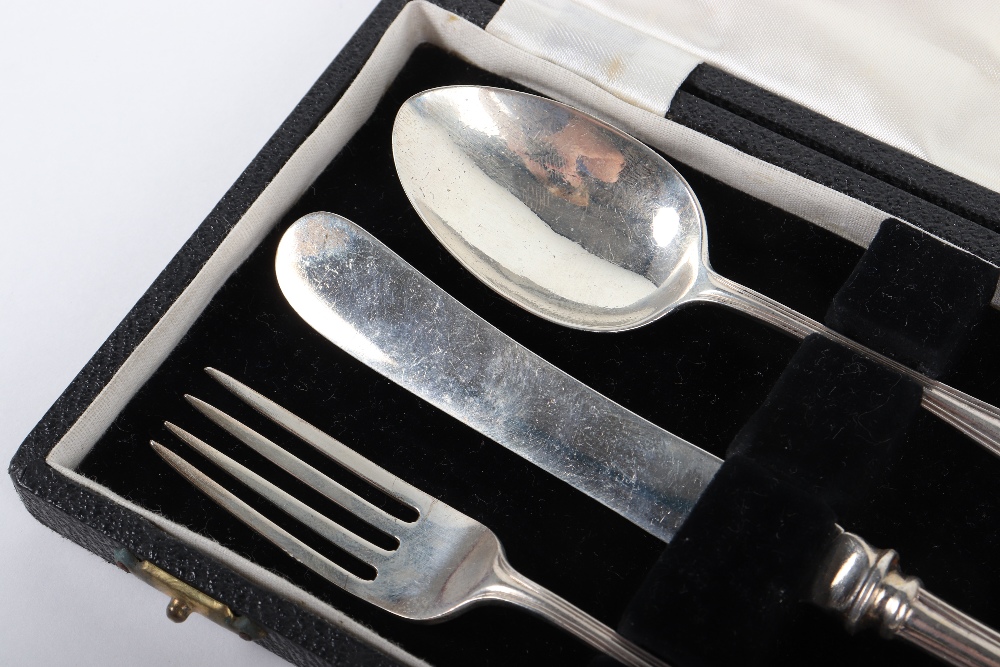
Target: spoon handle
(976,419)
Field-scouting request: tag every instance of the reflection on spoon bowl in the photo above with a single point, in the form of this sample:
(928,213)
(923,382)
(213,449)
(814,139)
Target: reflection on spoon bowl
(520,196)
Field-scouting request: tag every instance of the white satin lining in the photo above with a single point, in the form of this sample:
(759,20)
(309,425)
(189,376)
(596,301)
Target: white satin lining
(641,69)
(922,76)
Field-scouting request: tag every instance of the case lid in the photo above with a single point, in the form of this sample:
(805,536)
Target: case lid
(921,76)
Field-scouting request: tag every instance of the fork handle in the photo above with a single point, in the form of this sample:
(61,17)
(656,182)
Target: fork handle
(511,586)
(865,587)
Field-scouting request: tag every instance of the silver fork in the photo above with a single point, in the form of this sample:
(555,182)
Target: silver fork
(445,561)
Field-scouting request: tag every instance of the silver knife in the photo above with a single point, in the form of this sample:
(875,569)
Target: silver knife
(375,306)
(369,302)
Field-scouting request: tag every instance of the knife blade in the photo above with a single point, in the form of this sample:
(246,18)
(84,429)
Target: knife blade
(368,301)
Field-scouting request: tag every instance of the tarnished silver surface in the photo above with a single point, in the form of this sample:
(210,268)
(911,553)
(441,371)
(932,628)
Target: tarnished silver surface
(372,304)
(864,585)
(444,563)
(583,225)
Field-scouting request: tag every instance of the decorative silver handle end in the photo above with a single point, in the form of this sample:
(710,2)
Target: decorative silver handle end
(865,587)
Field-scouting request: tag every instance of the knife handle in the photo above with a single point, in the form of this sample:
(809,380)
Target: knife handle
(864,585)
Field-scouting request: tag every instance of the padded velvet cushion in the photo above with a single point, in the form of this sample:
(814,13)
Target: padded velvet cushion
(734,573)
(729,585)
(726,589)
(913,298)
(830,422)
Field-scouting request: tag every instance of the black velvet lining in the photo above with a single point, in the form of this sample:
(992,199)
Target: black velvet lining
(701,373)
(735,573)
(914,299)
(830,423)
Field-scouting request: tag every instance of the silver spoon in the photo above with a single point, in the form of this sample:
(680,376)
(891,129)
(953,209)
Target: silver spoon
(581,224)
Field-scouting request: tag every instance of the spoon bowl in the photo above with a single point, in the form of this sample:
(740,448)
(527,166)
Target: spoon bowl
(519,189)
(580,224)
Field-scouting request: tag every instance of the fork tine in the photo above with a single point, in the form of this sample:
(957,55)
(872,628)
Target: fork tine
(281,538)
(301,470)
(324,526)
(331,447)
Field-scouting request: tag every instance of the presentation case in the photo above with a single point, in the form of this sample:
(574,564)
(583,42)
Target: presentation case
(792,201)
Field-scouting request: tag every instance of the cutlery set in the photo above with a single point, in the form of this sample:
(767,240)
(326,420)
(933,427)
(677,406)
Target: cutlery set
(586,227)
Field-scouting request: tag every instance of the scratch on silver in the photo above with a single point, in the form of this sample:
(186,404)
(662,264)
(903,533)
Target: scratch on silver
(392,318)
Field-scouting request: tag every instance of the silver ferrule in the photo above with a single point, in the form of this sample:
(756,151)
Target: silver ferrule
(864,586)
